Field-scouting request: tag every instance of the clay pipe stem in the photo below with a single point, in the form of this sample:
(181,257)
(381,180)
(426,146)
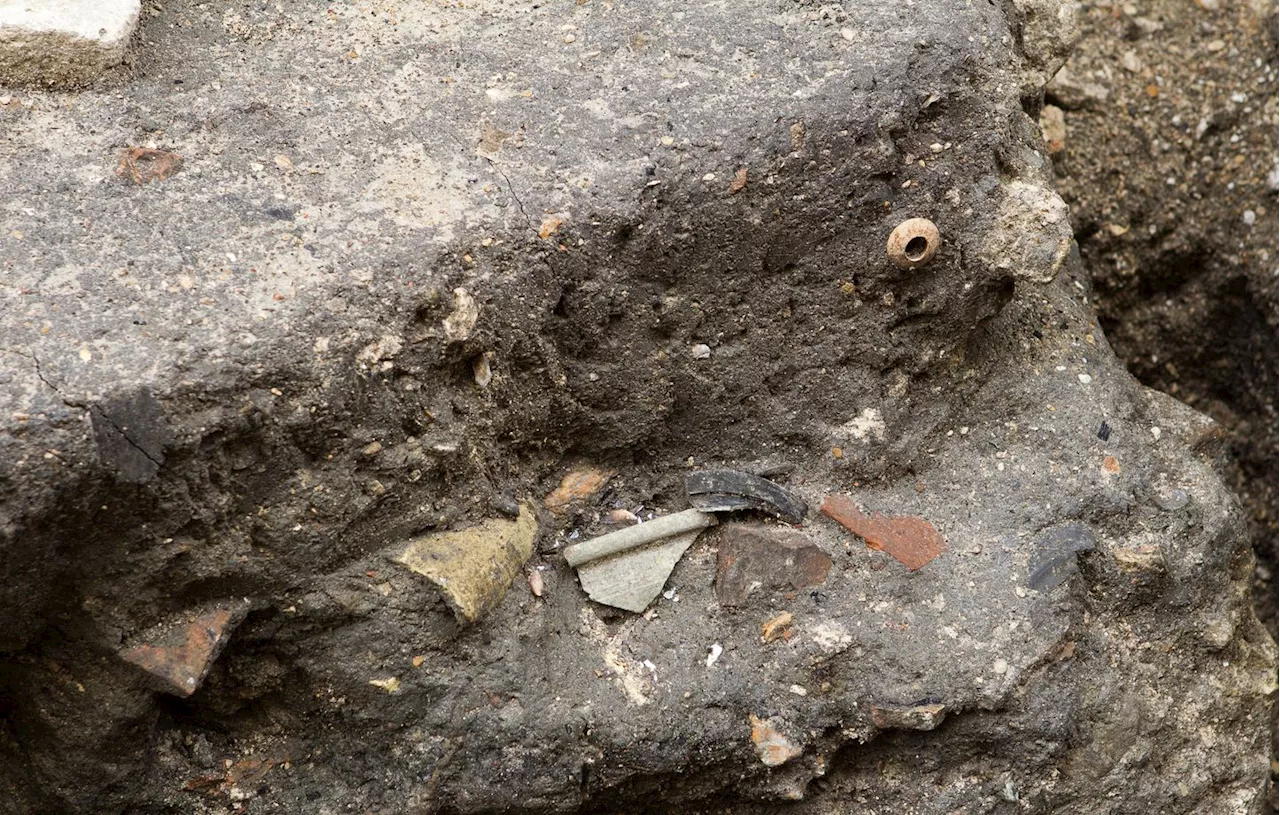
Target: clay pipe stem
(638,535)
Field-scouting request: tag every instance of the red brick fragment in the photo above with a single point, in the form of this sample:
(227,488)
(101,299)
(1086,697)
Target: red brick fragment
(186,651)
(911,541)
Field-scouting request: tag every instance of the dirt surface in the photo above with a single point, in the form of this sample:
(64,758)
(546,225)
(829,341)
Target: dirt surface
(1186,272)
(310,297)
(1169,165)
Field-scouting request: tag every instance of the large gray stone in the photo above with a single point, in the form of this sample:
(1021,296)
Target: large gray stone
(255,378)
(63,42)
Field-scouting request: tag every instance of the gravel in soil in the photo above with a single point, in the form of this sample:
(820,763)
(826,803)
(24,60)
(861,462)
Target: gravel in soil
(1163,132)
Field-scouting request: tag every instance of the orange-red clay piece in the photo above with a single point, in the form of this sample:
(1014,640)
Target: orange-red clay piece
(911,541)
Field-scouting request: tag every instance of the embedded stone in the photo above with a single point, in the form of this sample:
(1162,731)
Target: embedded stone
(912,717)
(754,557)
(180,654)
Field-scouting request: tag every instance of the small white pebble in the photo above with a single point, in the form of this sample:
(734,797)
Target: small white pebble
(1250,217)
(1085,379)
(709,177)
(701,351)
(847,33)
(798,690)
(1021,592)
(481,372)
(1155,432)
(715,650)
(1000,666)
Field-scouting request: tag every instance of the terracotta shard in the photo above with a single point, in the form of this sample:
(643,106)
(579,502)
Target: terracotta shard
(911,541)
(179,656)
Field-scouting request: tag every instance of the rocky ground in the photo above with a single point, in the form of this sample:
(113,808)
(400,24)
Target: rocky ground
(324,333)
(1168,161)
(1167,120)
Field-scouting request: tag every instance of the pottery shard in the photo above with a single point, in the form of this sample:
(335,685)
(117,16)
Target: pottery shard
(179,655)
(914,717)
(911,541)
(474,567)
(754,556)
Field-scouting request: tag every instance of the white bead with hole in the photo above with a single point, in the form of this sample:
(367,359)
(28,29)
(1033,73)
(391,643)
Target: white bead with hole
(913,243)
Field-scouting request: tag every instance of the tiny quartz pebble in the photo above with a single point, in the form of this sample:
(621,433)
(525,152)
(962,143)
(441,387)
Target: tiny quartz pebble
(1085,379)
(1250,217)
(700,351)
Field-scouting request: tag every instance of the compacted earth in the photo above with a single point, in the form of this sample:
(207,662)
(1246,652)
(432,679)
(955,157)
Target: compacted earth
(1166,150)
(326,331)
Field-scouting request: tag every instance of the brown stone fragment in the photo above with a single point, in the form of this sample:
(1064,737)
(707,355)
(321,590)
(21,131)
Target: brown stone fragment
(775,626)
(756,556)
(1053,125)
(1146,558)
(142,165)
(772,747)
(915,717)
(911,541)
(575,487)
(187,650)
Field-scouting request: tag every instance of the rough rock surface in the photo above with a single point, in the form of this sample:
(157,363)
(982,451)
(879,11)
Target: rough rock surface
(1185,272)
(418,264)
(1169,165)
(63,43)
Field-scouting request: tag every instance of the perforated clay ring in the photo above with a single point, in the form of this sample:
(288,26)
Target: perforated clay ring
(913,243)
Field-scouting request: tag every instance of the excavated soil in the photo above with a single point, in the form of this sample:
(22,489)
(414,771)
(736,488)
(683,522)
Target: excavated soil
(1169,166)
(406,269)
